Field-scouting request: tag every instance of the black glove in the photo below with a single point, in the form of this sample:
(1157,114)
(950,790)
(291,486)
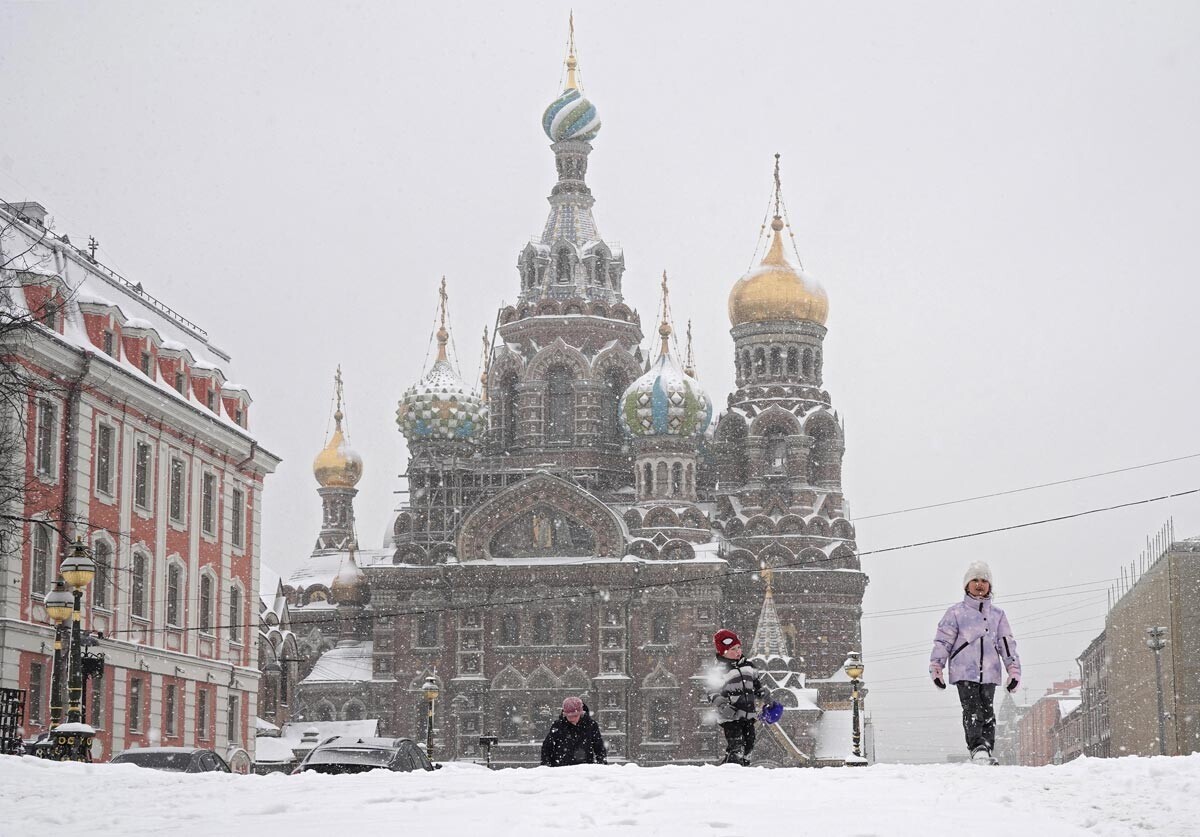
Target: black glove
(1012,685)
(937,681)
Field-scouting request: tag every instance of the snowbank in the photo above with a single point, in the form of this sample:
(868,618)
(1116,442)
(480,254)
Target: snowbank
(1089,796)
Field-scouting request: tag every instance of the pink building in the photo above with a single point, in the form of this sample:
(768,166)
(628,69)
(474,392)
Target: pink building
(132,435)
(1036,743)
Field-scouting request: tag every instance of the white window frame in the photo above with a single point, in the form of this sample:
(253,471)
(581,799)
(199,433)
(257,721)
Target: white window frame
(210,523)
(180,521)
(101,583)
(147,584)
(180,595)
(146,507)
(106,494)
(37,529)
(208,614)
(237,518)
(45,459)
(237,634)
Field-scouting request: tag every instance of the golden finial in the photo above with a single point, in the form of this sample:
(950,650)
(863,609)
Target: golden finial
(572,61)
(768,575)
(689,362)
(442,334)
(337,383)
(777,223)
(664,328)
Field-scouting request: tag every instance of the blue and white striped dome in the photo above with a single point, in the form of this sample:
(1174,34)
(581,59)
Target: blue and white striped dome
(571,117)
(665,401)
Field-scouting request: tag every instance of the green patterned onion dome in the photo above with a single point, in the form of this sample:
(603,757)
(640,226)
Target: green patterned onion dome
(665,402)
(571,117)
(440,408)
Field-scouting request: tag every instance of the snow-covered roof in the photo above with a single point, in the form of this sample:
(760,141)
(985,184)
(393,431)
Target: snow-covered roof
(294,731)
(269,750)
(346,663)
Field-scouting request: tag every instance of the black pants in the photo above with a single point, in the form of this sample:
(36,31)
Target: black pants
(739,740)
(979,719)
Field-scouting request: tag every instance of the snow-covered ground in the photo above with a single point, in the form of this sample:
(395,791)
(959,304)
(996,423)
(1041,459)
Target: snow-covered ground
(1115,796)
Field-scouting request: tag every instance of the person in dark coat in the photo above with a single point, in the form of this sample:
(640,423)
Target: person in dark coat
(734,686)
(574,738)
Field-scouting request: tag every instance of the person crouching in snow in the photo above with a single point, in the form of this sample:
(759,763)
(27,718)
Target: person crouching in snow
(975,641)
(574,738)
(733,689)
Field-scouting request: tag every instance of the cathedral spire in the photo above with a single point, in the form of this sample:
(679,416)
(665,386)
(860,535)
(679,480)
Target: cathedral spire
(572,61)
(689,361)
(443,335)
(769,639)
(664,327)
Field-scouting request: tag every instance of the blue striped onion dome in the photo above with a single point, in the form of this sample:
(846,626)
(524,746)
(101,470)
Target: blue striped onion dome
(571,117)
(440,408)
(665,402)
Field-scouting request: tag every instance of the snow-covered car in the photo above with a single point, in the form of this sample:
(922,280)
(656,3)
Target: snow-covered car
(350,754)
(174,759)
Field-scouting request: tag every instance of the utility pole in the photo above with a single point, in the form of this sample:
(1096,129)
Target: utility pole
(1156,641)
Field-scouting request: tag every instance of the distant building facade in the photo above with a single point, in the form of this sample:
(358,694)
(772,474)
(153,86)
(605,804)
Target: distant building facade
(577,526)
(133,436)
(1096,732)
(1036,742)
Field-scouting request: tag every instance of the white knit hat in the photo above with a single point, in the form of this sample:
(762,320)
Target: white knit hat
(978,569)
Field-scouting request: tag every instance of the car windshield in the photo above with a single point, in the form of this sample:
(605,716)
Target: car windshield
(366,757)
(158,761)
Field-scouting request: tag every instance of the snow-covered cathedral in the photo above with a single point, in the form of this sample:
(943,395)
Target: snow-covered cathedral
(577,525)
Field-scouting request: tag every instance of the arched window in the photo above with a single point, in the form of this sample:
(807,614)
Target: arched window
(776,361)
(776,447)
(676,479)
(562,268)
(39,576)
(661,710)
(746,369)
(542,628)
(102,583)
(510,629)
(793,361)
(237,622)
(601,270)
(817,370)
(206,601)
(610,419)
(174,594)
(140,584)
(660,629)
(690,482)
(560,405)
(510,721)
(508,416)
(660,483)
(760,362)
(647,480)
(808,363)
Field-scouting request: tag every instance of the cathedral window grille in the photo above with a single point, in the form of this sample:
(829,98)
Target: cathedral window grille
(601,271)
(746,368)
(661,710)
(660,481)
(689,479)
(560,406)
(542,629)
(660,629)
(647,480)
(808,363)
(676,479)
(562,267)
(609,416)
(793,361)
(777,453)
(575,631)
(427,630)
(760,362)
(510,629)
(510,721)
(776,361)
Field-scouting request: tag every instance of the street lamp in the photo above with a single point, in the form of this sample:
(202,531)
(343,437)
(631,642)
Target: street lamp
(73,740)
(431,690)
(1156,641)
(58,608)
(854,670)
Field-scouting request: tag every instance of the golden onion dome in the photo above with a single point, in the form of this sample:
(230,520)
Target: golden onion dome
(337,465)
(349,587)
(777,291)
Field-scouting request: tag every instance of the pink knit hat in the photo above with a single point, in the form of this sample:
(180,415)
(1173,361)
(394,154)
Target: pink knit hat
(572,704)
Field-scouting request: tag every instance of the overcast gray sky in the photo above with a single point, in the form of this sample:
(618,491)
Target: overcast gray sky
(1000,199)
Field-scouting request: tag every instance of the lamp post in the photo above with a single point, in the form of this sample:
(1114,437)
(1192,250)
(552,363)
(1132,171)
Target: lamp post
(73,740)
(1156,641)
(854,670)
(431,690)
(58,608)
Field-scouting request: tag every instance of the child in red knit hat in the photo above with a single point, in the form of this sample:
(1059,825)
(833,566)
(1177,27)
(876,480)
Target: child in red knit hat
(733,687)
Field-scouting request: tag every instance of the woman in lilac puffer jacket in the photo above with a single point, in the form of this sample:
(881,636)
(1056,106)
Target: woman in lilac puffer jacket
(976,642)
